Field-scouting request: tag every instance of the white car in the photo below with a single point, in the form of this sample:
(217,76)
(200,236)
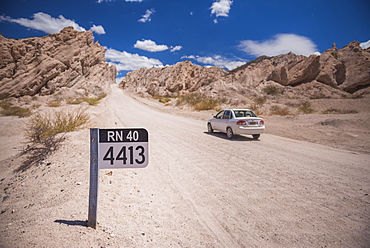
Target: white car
(237,121)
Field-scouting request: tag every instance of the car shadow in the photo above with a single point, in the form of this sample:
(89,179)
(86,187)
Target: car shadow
(236,137)
(72,222)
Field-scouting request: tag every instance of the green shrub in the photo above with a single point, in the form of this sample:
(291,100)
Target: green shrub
(9,110)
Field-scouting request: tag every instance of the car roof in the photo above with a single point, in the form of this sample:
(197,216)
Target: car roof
(239,109)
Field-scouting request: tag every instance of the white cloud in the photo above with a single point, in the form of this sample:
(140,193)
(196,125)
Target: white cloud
(139,1)
(45,23)
(365,45)
(125,61)
(98,29)
(48,24)
(147,16)
(150,46)
(221,8)
(216,60)
(280,44)
(175,48)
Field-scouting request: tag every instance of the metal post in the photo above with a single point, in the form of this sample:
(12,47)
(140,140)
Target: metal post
(94,177)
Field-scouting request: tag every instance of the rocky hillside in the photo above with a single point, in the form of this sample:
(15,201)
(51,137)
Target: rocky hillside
(335,73)
(66,61)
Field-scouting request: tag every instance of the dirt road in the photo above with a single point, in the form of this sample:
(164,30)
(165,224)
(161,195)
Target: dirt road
(202,190)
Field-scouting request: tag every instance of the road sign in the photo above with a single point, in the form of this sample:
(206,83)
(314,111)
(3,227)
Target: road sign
(110,149)
(123,148)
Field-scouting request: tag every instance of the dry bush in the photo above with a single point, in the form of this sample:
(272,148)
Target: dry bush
(200,102)
(9,110)
(94,100)
(277,110)
(271,90)
(339,111)
(260,100)
(162,99)
(45,133)
(73,101)
(306,108)
(55,103)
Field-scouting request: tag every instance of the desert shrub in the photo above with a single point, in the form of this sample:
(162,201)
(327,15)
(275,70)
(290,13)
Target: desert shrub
(55,103)
(73,101)
(9,110)
(42,126)
(200,102)
(339,111)
(319,96)
(306,108)
(271,90)
(162,99)
(91,101)
(277,110)
(94,100)
(206,104)
(260,100)
(45,133)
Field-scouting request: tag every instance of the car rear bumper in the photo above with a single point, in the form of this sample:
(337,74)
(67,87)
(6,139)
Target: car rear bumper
(248,130)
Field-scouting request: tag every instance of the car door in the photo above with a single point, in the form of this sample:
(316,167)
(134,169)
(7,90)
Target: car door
(217,119)
(225,121)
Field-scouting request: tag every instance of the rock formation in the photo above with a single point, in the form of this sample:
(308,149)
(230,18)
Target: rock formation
(336,72)
(69,60)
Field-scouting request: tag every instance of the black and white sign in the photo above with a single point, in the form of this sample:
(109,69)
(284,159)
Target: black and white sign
(123,148)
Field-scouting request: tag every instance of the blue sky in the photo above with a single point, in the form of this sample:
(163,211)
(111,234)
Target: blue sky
(225,33)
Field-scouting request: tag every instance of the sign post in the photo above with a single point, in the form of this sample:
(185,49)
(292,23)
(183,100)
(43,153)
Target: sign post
(94,177)
(113,149)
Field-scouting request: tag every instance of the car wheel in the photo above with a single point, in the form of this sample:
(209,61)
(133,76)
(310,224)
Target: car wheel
(229,133)
(210,129)
(256,136)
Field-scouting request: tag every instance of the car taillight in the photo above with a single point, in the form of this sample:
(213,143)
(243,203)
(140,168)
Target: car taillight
(262,123)
(241,123)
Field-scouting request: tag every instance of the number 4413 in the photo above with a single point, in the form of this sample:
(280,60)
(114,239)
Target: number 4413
(127,154)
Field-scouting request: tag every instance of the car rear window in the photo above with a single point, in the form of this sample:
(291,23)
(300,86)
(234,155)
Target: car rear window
(244,113)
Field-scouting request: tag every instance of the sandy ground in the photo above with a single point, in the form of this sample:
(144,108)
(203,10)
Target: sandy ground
(305,183)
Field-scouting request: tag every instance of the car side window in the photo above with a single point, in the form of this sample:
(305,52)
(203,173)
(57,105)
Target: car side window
(220,114)
(227,115)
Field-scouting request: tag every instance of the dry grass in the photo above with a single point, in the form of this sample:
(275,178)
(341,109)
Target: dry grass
(271,90)
(306,108)
(277,110)
(90,100)
(339,111)
(200,102)
(45,133)
(162,99)
(73,101)
(55,103)
(42,126)
(9,110)
(94,100)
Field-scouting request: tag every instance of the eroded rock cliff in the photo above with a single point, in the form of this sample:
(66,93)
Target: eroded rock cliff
(68,61)
(336,72)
